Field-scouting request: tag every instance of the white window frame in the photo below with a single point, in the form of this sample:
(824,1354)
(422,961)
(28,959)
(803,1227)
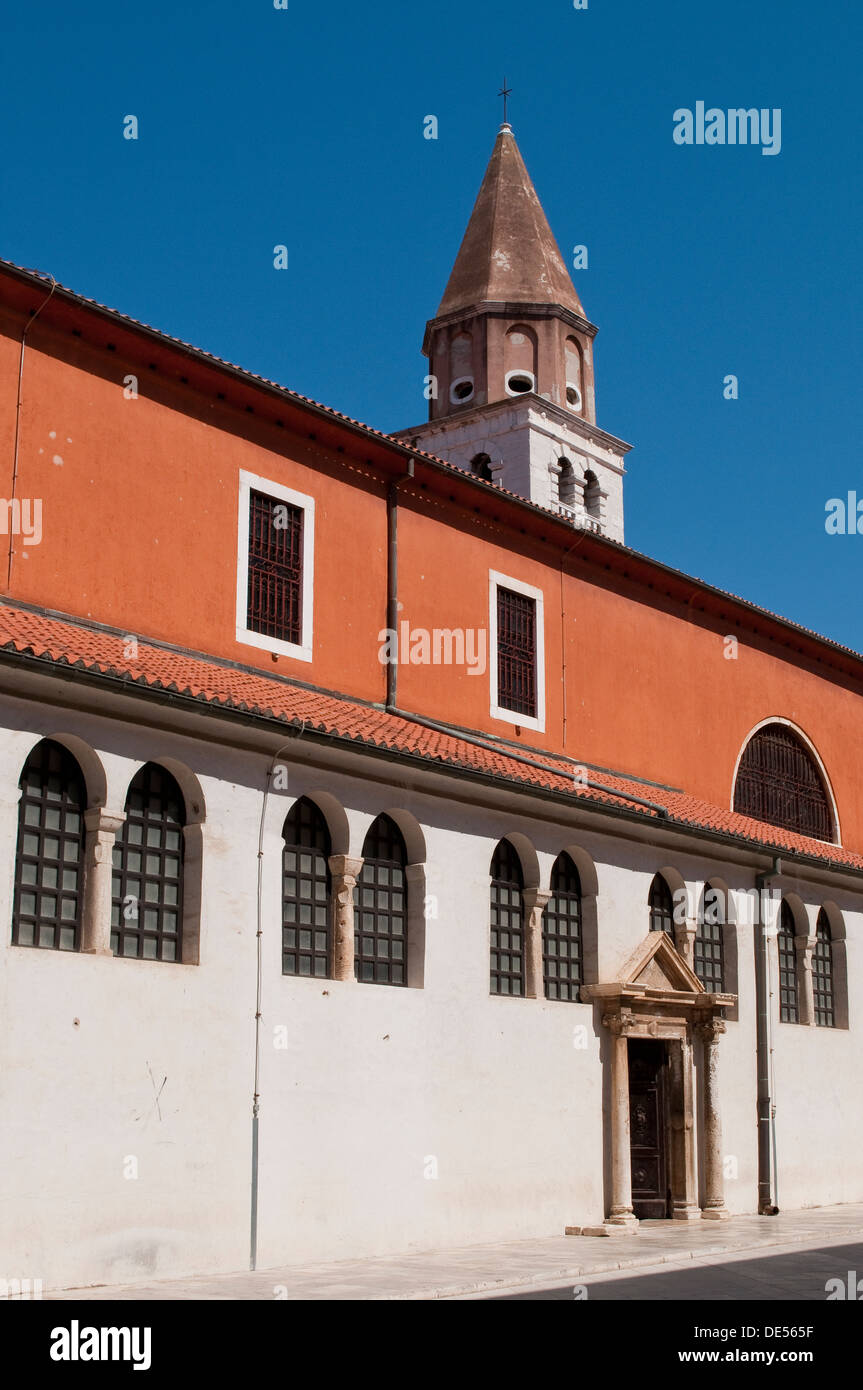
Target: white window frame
(504,581)
(302,650)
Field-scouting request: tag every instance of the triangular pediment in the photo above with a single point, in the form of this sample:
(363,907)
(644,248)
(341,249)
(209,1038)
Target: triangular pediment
(657,964)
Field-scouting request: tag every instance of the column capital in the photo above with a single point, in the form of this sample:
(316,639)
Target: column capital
(104,822)
(344,866)
(710,1030)
(620,1024)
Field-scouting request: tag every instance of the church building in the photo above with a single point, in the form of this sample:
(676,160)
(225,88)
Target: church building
(391,859)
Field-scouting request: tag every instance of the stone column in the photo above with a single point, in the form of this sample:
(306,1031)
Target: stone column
(620,1211)
(683,1177)
(101,827)
(804,946)
(534,900)
(684,940)
(344,873)
(714,1208)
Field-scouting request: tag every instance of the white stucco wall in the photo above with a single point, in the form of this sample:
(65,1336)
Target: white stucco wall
(375,1086)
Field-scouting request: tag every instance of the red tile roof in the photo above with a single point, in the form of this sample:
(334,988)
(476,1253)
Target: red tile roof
(48,640)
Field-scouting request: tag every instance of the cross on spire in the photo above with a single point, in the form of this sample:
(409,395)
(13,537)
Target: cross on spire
(505,92)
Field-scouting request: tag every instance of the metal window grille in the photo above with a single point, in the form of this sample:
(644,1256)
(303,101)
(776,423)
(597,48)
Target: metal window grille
(822,974)
(275,568)
(708,954)
(507,922)
(49,867)
(778,781)
(661,906)
(561,932)
(306,897)
(380,907)
(789,1006)
(516,652)
(147,903)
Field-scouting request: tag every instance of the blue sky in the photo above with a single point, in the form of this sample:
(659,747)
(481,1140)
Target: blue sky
(260,126)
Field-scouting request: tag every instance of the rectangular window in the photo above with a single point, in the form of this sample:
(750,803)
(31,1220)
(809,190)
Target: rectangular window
(516,652)
(275,572)
(275,568)
(517,664)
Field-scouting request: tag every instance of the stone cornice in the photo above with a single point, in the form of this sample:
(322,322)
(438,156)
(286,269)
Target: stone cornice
(509,310)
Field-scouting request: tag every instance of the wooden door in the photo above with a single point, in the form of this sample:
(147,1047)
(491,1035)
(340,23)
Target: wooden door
(647,1128)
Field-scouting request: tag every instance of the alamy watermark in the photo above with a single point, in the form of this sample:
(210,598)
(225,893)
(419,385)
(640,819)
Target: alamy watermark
(439,646)
(737,126)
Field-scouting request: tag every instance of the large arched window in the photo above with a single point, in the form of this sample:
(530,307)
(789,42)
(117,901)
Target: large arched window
(147,904)
(306,904)
(778,781)
(480,465)
(49,862)
(507,921)
(661,906)
(380,901)
(822,974)
(561,932)
(708,952)
(789,1001)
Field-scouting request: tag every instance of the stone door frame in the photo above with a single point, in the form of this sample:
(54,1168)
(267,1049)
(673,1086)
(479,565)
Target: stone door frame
(661,998)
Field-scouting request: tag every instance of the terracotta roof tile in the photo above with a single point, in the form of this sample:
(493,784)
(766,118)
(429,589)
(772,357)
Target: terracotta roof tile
(61,641)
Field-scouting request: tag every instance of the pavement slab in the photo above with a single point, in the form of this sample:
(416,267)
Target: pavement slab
(510,1265)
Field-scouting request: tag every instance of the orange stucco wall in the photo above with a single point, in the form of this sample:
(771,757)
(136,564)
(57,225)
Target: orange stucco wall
(140,505)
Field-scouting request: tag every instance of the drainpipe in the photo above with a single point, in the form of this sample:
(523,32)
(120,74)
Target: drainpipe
(767,1185)
(19,398)
(259,942)
(393,583)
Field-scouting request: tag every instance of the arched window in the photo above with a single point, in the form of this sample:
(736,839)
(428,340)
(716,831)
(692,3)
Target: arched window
(566,483)
(789,1004)
(507,921)
(778,781)
(147,904)
(380,901)
(708,953)
(480,464)
(561,932)
(592,495)
(49,861)
(822,974)
(661,906)
(306,904)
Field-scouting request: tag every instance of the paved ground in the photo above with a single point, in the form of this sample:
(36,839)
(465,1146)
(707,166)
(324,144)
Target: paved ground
(558,1262)
(771,1276)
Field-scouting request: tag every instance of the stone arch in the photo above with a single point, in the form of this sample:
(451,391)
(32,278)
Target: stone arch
(520,351)
(95,778)
(589,910)
(334,814)
(527,855)
(193,851)
(838,940)
(728,925)
(420,904)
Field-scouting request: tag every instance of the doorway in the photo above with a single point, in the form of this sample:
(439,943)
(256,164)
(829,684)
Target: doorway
(648,1128)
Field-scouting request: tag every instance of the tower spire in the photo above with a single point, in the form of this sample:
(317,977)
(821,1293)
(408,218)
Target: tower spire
(510,381)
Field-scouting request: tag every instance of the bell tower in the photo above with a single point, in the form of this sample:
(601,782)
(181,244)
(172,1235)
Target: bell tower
(511,393)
